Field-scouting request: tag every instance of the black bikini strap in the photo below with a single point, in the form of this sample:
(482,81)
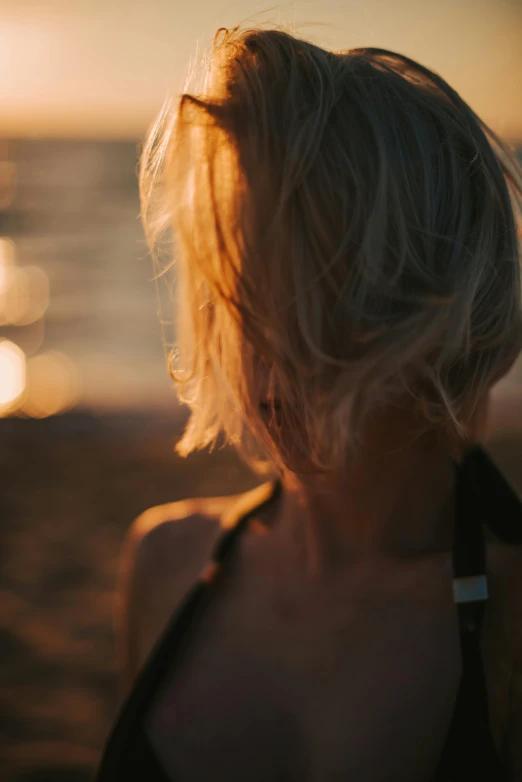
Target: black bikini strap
(235,523)
(470,586)
(470,592)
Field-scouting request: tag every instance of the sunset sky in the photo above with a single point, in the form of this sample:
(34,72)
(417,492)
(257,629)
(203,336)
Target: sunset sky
(101,68)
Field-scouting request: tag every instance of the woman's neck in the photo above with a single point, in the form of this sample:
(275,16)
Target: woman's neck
(395,502)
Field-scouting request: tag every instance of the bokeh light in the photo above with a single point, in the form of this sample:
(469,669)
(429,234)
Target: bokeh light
(12,375)
(7,253)
(52,387)
(24,291)
(28,296)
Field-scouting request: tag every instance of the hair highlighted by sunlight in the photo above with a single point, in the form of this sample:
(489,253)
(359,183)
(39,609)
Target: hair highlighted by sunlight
(345,235)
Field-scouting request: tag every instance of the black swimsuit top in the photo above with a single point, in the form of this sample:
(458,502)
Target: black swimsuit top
(483,499)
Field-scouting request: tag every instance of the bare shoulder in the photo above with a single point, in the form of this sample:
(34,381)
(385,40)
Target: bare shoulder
(164,552)
(162,555)
(171,538)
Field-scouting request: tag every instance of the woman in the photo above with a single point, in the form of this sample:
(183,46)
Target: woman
(349,292)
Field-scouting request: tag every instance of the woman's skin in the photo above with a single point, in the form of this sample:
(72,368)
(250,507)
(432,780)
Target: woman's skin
(331,648)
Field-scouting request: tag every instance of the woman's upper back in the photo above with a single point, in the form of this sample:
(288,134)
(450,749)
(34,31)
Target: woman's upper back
(251,662)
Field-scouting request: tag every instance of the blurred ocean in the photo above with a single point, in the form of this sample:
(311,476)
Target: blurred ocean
(73,210)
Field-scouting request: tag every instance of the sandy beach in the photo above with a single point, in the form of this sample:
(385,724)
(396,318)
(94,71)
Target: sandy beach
(70,487)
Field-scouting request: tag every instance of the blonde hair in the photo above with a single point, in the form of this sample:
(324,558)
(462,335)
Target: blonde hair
(346,237)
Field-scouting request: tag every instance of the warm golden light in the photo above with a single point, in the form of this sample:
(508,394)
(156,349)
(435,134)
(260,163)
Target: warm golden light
(24,291)
(27,296)
(478,52)
(12,375)
(6,264)
(52,385)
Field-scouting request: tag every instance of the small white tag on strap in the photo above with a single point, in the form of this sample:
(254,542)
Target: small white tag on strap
(470,589)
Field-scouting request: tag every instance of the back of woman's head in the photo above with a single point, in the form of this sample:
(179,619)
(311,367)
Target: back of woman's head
(346,238)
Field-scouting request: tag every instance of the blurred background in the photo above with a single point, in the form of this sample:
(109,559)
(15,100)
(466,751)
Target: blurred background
(88,415)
